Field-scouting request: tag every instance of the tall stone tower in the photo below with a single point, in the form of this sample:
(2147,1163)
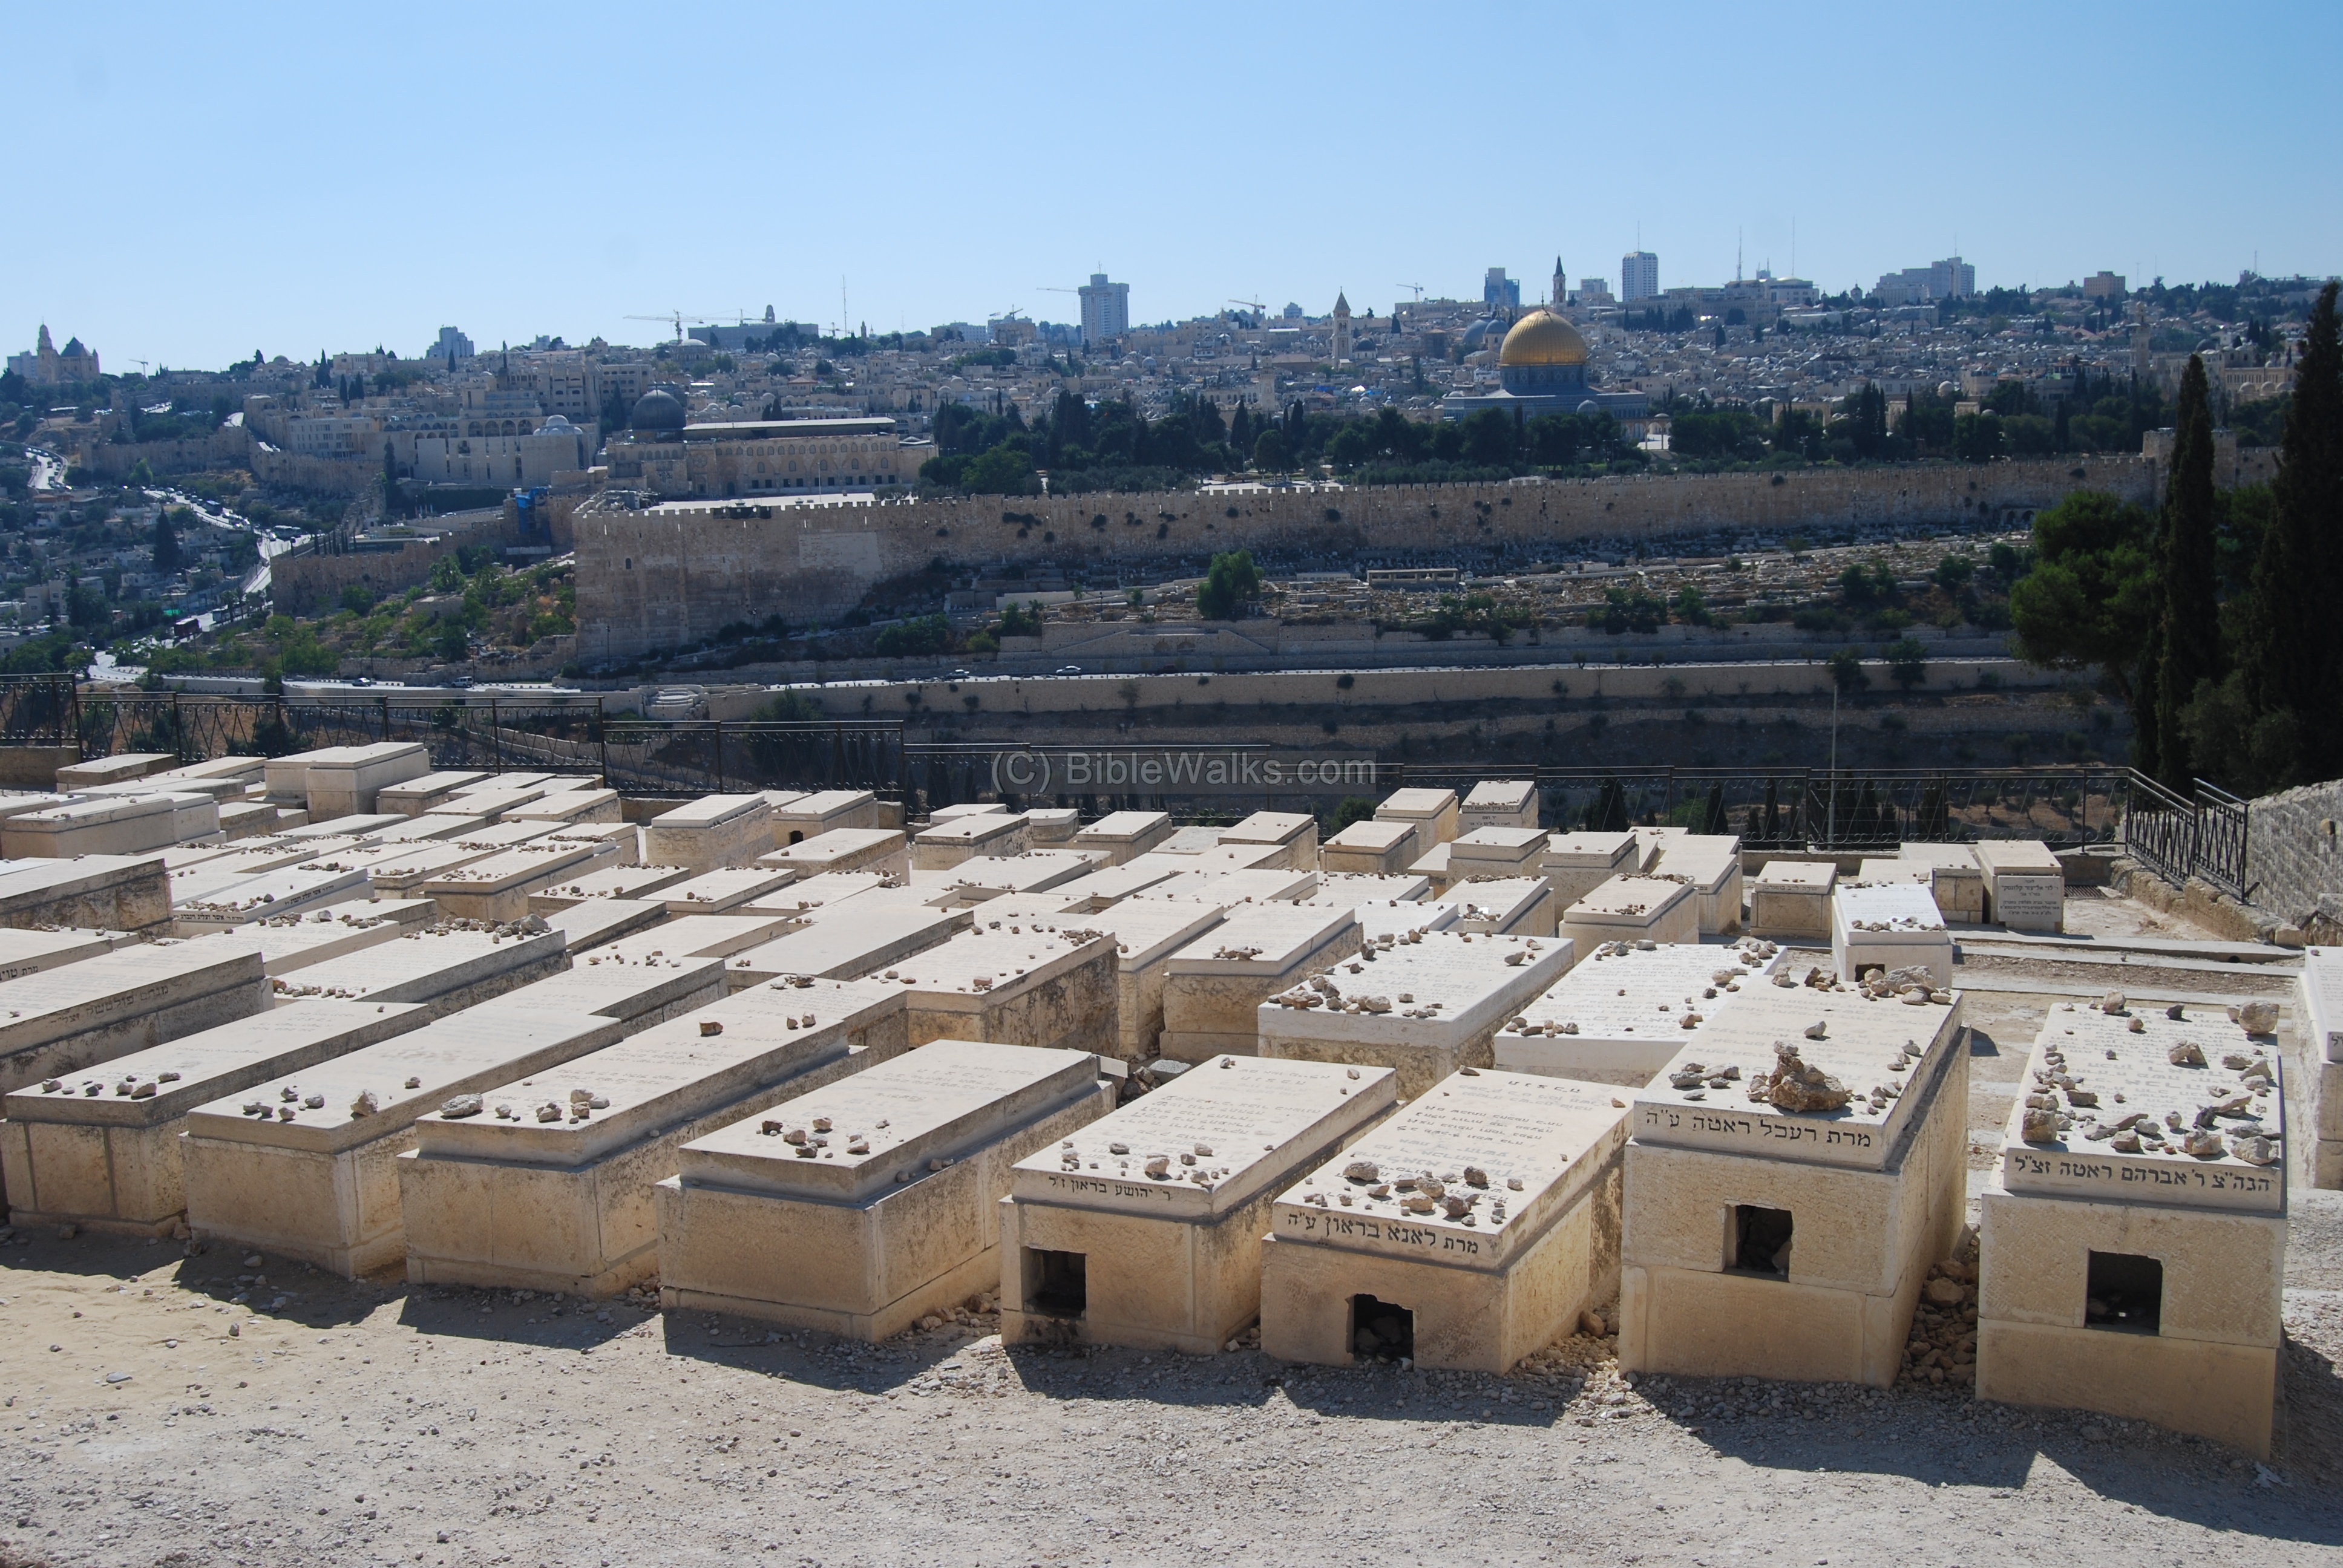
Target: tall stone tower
(1341,328)
(1561,287)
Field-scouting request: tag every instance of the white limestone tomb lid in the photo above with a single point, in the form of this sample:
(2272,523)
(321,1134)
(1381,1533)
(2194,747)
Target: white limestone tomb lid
(1501,795)
(1884,1055)
(1209,1140)
(1261,940)
(148,1088)
(1143,933)
(1270,828)
(669,1072)
(514,868)
(383,1089)
(685,937)
(887,1126)
(1795,877)
(1630,900)
(709,811)
(1493,903)
(419,965)
(1350,889)
(1416,805)
(725,888)
(2135,1106)
(1466,1176)
(980,966)
(37,1009)
(1640,991)
(1373,834)
(1443,988)
(823,889)
(1887,914)
(618,882)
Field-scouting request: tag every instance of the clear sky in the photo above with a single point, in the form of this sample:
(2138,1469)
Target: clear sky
(191,183)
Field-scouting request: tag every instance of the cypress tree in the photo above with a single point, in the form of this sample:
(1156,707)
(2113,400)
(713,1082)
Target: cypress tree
(2189,635)
(2289,660)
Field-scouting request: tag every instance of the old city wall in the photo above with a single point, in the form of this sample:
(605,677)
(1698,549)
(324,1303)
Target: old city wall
(653,580)
(2294,855)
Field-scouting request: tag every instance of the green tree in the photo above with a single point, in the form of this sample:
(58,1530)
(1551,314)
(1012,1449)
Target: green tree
(1269,452)
(2090,599)
(2188,634)
(1907,661)
(167,558)
(2289,659)
(1231,583)
(1847,673)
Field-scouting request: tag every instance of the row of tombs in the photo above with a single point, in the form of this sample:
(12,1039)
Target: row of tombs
(1150,1086)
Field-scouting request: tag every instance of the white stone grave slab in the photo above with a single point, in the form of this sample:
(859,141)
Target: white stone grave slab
(496,782)
(1187,842)
(1125,835)
(72,1017)
(1787,1236)
(106,892)
(1423,1007)
(1955,879)
(1144,1228)
(569,808)
(498,888)
(600,920)
(881,850)
(1711,864)
(697,936)
(712,832)
(892,1213)
(1499,803)
(607,881)
(848,940)
(432,825)
(1336,889)
(101,771)
(1372,846)
(25,953)
(825,812)
(977,880)
(943,814)
(1578,863)
(947,844)
(1504,906)
(1109,886)
(1233,887)
(1053,827)
(1293,835)
(1496,852)
(1433,813)
(505,794)
(635,991)
(1878,871)
(2024,887)
(286,891)
(1145,935)
(624,837)
(1051,986)
(727,887)
(322,1184)
(1486,1214)
(446,969)
(821,891)
(431,792)
(1213,988)
(1791,900)
(109,1160)
(517,1197)
(1625,1011)
(100,824)
(1893,924)
(346,780)
(290,942)
(1634,908)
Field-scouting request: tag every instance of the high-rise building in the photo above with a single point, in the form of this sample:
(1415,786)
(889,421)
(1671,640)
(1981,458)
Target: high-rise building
(452,347)
(1499,292)
(1639,276)
(1106,310)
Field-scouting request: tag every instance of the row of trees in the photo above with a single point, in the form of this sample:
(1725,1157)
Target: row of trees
(2208,615)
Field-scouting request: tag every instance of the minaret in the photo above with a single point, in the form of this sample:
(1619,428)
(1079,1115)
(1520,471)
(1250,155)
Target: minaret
(1341,328)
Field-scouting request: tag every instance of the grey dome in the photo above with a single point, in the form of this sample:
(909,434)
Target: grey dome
(657,411)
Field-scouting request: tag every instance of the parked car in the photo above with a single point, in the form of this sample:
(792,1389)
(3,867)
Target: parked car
(1068,670)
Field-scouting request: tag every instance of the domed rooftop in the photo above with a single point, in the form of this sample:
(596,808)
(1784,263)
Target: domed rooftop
(657,411)
(1542,338)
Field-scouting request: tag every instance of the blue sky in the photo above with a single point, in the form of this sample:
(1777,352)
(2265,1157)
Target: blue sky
(195,184)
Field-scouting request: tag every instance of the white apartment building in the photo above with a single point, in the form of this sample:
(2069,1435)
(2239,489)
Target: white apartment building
(1639,276)
(1106,310)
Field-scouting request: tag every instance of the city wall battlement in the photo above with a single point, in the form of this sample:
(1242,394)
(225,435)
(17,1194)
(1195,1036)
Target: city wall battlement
(658,580)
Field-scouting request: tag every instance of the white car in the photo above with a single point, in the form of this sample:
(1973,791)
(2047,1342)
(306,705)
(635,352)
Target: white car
(1068,670)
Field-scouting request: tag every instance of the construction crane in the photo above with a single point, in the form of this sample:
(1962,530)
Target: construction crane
(1417,287)
(679,317)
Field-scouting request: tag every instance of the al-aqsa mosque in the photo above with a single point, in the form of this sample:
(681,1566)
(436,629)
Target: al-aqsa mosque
(1542,369)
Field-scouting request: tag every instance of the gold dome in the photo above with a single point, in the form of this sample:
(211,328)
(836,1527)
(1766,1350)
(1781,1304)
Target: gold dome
(1542,338)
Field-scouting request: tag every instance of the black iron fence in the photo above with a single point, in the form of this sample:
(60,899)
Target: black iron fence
(2175,837)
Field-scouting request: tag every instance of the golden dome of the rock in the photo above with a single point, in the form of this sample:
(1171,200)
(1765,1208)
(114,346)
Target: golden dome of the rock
(1542,338)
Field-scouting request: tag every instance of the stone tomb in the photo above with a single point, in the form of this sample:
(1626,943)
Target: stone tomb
(1772,1229)
(1632,908)
(25,953)
(625,837)
(1145,935)
(1506,852)
(1125,835)
(948,844)
(1354,890)
(1053,827)
(637,990)
(1422,1006)
(316,1176)
(70,1019)
(1711,864)
(1292,834)
(1884,871)
(286,943)
(548,1185)
(1891,926)
(396,868)
(1626,1009)
(1791,900)
(2024,887)
(1431,813)
(420,797)
(865,1205)
(1499,803)
(1110,886)
(506,793)
(826,812)
(1144,1228)
(569,808)
(1370,847)
(600,920)
(2137,1276)
(1233,887)
(1466,1232)
(115,770)
(698,935)
(730,888)
(346,780)
(1956,881)
(432,825)
(103,892)
(711,831)
(109,1160)
(1578,863)
(446,969)
(606,881)
(1046,985)
(498,888)
(848,939)
(810,893)
(881,850)
(1214,987)
(2319,996)
(107,825)
(286,891)
(1504,905)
